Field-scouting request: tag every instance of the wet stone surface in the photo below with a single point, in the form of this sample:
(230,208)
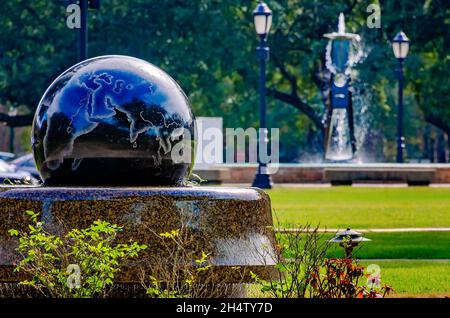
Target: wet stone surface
(113,120)
(233,224)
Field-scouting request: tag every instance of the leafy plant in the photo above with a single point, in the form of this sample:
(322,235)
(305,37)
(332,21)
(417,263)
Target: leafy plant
(183,271)
(304,271)
(301,251)
(81,263)
(341,278)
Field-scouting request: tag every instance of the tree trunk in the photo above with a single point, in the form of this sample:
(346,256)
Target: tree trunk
(426,142)
(448,145)
(432,152)
(440,149)
(442,125)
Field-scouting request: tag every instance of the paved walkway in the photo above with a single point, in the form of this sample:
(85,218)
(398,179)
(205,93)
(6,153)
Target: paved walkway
(393,230)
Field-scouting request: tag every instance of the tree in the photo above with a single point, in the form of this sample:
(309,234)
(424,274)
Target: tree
(35,47)
(208,47)
(300,75)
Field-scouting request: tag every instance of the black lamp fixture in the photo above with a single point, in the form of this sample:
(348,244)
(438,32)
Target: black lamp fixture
(400,46)
(348,240)
(262,18)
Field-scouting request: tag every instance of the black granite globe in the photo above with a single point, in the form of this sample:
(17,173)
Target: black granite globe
(114,121)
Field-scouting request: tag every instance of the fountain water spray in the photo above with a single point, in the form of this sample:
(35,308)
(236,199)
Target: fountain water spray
(340,57)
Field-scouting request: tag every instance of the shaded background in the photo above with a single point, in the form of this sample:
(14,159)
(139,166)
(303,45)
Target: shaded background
(208,46)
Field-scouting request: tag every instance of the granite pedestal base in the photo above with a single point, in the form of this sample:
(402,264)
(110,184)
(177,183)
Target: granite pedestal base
(235,225)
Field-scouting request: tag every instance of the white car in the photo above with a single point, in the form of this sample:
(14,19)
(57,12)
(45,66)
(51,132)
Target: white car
(7,156)
(25,163)
(9,175)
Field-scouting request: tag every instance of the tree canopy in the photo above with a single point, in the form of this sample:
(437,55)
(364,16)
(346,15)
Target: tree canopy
(208,46)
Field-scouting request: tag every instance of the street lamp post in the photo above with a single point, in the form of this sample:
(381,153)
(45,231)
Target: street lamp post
(83,32)
(400,46)
(84,5)
(262,16)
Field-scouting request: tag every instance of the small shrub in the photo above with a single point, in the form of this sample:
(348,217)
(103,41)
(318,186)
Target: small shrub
(300,252)
(304,271)
(183,272)
(341,278)
(82,263)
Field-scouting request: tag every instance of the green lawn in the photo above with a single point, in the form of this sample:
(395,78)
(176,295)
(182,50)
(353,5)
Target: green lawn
(422,245)
(408,278)
(365,208)
(415,278)
(340,207)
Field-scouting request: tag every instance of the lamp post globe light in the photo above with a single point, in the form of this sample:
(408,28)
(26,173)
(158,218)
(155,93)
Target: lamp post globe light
(262,17)
(348,240)
(400,46)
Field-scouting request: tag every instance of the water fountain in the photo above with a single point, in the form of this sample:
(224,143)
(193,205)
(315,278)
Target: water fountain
(104,138)
(340,56)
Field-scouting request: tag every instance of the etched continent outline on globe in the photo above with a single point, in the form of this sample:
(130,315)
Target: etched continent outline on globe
(99,94)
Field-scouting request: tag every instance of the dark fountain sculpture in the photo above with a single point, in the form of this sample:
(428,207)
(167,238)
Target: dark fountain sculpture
(112,120)
(113,139)
(340,135)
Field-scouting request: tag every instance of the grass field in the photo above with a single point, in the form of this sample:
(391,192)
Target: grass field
(408,278)
(414,274)
(340,207)
(422,245)
(415,278)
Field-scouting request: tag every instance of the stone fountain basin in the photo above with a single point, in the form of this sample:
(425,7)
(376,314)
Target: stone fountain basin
(235,225)
(344,173)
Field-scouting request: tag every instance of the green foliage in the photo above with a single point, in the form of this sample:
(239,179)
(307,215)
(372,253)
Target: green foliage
(341,278)
(217,68)
(202,262)
(36,47)
(304,271)
(184,273)
(300,254)
(81,263)
(157,290)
